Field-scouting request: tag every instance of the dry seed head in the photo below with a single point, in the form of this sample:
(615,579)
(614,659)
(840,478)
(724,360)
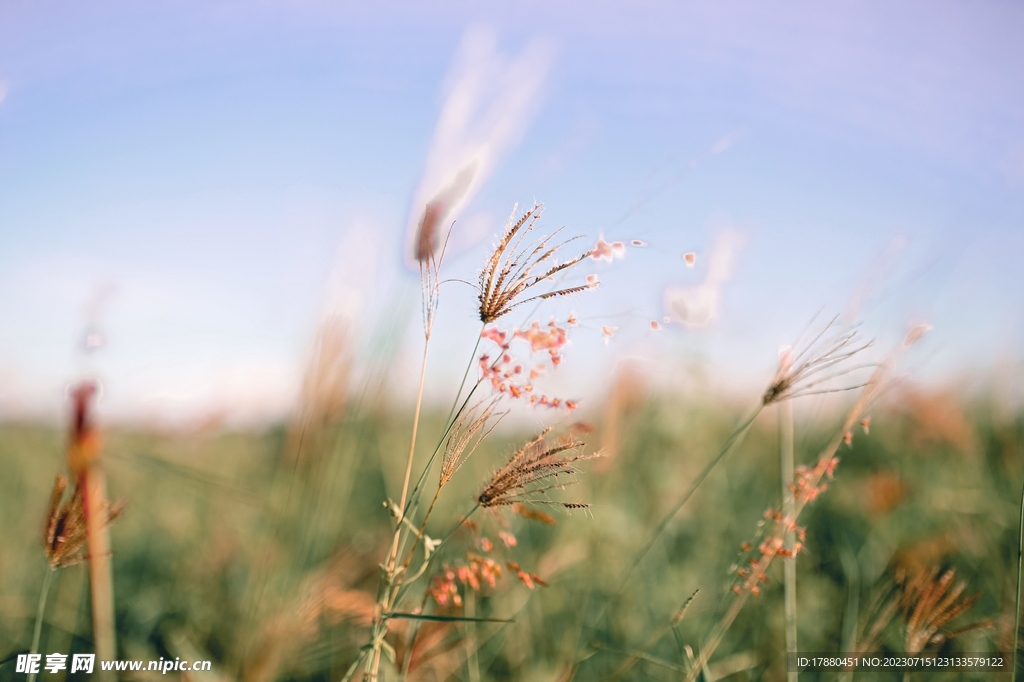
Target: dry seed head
(470,428)
(427,233)
(65,534)
(430,284)
(802,371)
(929,602)
(534,470)
(513,269)
(681,613)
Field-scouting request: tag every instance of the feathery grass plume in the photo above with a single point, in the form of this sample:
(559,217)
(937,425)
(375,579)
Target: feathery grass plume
(534,470)
(468,431)
(790,381)
(929,602)
(325,386)
(510,272)
(65,533)
(430,284)
(427,233)
(801,371)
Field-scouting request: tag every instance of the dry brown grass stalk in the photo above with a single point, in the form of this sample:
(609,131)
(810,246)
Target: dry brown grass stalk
(929,602)
(84,461)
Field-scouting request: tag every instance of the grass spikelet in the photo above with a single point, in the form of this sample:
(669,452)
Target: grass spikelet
(809,480)
(930,602)
(470,428)
(513,269)
(534,470)
(802,371)
(66,530)
(681,613)
(65,533)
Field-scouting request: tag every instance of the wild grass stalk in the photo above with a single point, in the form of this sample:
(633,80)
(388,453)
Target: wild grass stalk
(802,371)
(507,280)
(379,627)
(806,489)
(851,570)
(101,579)
(84,461)
(786,466)
(40,613)
(1020,566)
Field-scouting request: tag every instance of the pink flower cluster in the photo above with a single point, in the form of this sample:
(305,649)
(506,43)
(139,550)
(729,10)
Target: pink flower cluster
(509,376)
(804,487)
(753,574)
(531,580)
(444,588)
(448,586)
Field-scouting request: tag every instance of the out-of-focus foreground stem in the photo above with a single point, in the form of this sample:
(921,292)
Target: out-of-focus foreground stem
(86,466)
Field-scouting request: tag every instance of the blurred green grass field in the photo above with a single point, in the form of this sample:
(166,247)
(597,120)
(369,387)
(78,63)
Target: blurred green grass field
(261,555)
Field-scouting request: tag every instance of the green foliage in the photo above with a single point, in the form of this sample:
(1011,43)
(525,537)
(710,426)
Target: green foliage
(232,543)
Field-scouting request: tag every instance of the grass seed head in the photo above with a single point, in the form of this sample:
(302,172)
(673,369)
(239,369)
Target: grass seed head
(804,371)
(681,613)
(930,601)
(66,531)
(514,268)
(534,470)
(470,428)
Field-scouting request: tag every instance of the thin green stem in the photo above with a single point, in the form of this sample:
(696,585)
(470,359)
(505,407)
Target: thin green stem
(1020,564)
(40,612)
(379,628)
(786,467)
(453,415)
(404,586)
(437,550)
(465,375)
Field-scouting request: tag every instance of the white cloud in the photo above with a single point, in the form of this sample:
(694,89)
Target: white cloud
(491,100)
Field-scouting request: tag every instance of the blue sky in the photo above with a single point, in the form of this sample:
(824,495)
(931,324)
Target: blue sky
(230,172)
